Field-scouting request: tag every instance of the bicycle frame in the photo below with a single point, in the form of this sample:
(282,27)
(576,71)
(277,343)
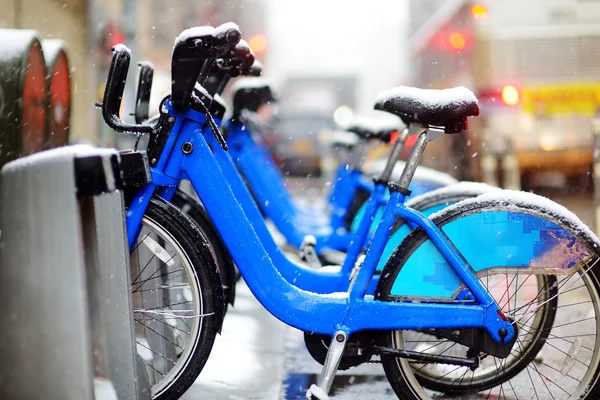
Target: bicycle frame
(323,313)
(266,185)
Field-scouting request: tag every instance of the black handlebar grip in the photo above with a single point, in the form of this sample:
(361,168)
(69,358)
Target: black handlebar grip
(244,53)
(228,33)
(255,70)
(113,92)
(142,101)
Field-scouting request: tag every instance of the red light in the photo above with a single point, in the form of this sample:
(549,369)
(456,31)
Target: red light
(479,11)
(258,43)
(457,40)
(117,38)
(394,137)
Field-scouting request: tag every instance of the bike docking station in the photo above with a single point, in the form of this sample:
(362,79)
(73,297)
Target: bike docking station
(67,332)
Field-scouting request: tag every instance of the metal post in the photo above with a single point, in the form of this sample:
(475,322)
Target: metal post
(64,279)
(115,308)
(596,134)
(46,330)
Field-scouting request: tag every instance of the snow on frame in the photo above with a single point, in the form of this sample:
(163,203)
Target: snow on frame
(513,199)
(430,98)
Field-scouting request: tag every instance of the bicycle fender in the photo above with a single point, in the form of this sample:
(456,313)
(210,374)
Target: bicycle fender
(494,231)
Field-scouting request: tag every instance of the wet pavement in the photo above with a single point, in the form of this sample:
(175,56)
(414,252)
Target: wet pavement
(258,357)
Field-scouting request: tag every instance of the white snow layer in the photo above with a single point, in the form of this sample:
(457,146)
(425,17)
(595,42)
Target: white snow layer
(202,90)
(120,47)
(342,138)
(250,83)
(52,47)
(466,188)
(316,392)
(375,124)
(193,32)
(430,98)
(146,64)
(515,198)
(421,174)
(221,29)
(78,150)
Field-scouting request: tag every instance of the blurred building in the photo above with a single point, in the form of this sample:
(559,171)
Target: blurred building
(535,67)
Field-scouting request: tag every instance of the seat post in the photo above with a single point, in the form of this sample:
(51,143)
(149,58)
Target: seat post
(413,160)
(394,155)
(357,156)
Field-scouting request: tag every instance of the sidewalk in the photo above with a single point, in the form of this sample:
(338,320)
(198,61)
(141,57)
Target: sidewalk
(247,359)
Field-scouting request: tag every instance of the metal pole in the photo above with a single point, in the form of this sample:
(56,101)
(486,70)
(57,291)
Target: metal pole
(46,335)
(65,279)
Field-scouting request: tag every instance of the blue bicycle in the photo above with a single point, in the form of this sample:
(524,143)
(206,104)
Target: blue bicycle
(499,278)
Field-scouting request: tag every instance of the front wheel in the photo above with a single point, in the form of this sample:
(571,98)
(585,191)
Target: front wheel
(177,299)
(539,265)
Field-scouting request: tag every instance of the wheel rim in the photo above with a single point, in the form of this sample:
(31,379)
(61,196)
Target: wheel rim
(543,377)
(167,334)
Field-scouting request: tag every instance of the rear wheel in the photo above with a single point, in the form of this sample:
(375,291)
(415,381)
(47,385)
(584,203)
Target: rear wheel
(557,352)
(177,299)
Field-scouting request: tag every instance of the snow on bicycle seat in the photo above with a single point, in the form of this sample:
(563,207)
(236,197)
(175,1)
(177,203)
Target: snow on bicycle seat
(373,128)
(251,93)
(447,108)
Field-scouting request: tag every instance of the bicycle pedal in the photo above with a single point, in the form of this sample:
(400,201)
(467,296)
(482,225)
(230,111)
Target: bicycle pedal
(308,253)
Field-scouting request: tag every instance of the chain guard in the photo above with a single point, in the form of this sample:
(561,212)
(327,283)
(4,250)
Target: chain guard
(478,339)
(354,353)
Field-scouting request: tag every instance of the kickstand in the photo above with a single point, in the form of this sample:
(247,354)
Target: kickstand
(332,361)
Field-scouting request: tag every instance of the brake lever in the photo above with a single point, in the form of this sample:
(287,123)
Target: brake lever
(211,123)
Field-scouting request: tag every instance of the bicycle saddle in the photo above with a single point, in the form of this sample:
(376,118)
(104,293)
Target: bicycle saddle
(373,128)
(447,108)
(250,94)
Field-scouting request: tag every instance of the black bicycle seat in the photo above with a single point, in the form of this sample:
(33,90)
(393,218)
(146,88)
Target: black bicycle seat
(447,108)
(373,128)
(250,94)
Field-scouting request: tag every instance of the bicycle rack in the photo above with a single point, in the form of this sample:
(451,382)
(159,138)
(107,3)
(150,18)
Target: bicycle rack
(67,329)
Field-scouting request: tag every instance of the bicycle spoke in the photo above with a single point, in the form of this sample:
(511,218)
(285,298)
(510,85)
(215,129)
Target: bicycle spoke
(162,336)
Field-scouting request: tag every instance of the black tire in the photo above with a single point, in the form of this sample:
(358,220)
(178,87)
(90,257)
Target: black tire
(406,381)
(197,213)
(360,197)
(170,224)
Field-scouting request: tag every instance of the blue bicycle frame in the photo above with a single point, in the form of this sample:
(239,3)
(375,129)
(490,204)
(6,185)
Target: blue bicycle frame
(325,312)
(266,184)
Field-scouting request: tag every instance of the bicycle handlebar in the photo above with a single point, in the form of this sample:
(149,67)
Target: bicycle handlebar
(255,69)
(193,49)
(113,92)
(142,101)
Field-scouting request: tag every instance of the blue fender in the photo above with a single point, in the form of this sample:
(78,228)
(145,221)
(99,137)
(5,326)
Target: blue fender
(499,229)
